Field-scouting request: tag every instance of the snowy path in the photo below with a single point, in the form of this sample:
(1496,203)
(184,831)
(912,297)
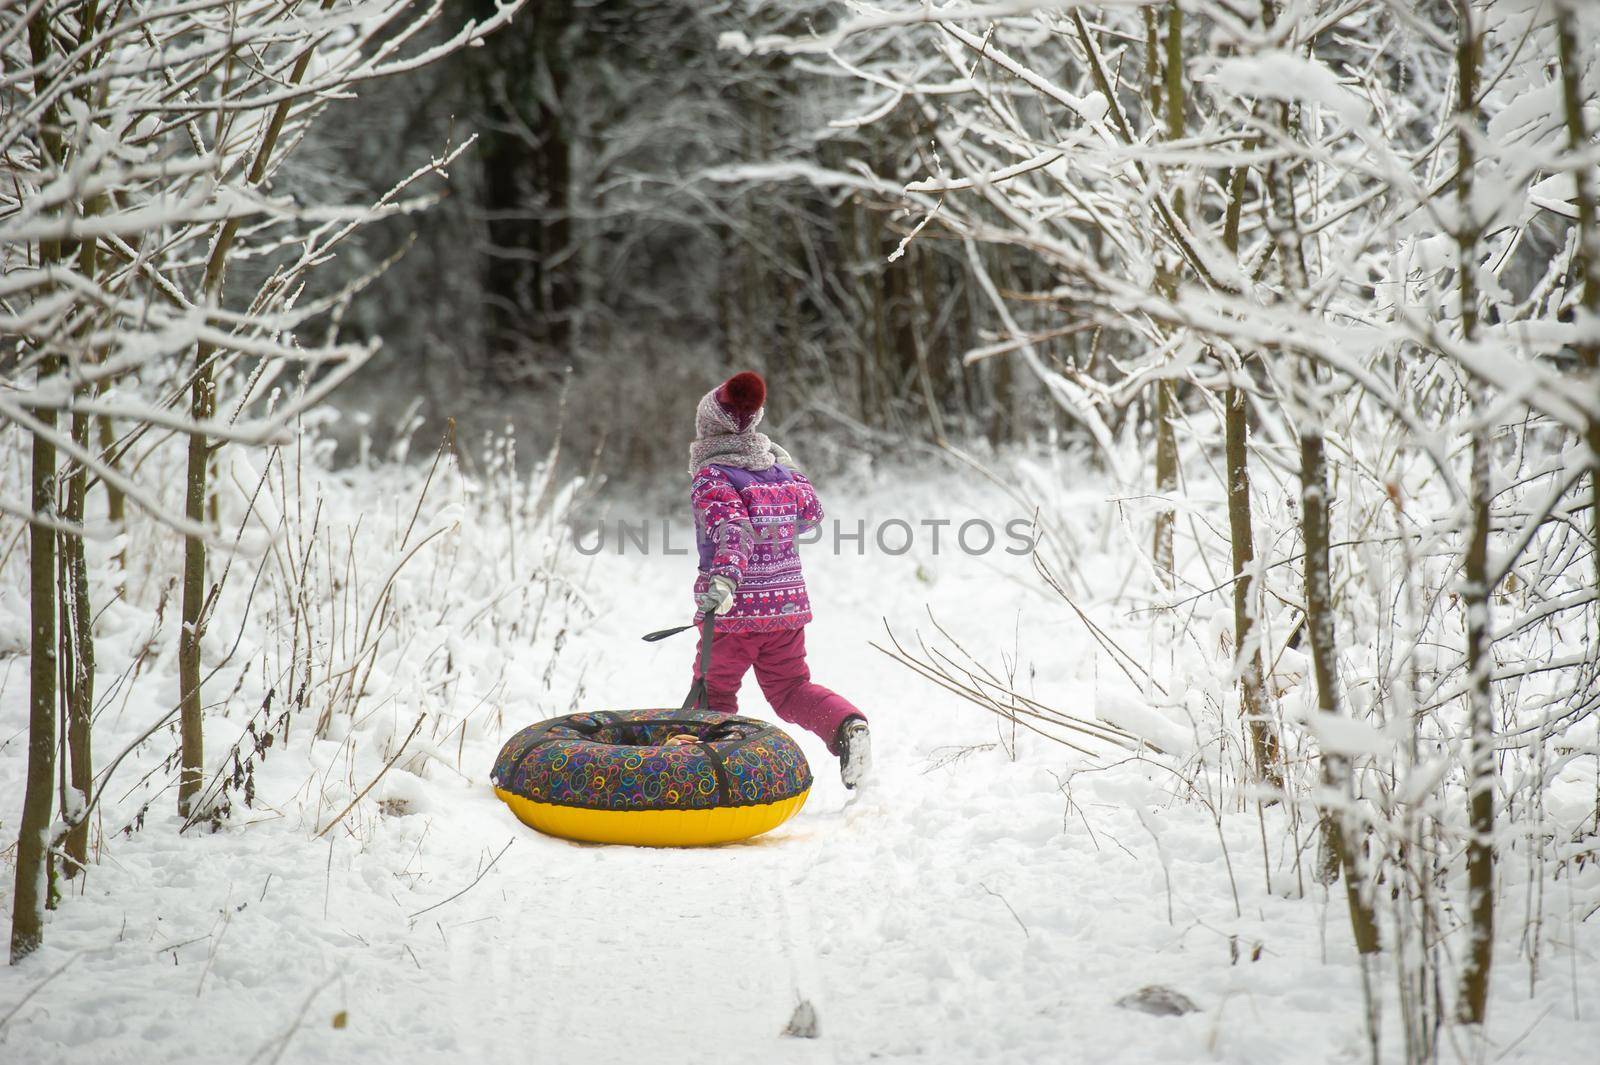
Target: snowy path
(959,912)
(608,950)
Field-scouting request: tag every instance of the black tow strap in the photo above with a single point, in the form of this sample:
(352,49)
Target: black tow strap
(724,789)
(699,698)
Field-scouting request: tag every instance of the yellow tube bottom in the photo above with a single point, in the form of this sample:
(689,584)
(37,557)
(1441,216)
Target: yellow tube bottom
(653,828)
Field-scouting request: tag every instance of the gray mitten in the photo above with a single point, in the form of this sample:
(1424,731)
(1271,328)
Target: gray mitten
(718,596)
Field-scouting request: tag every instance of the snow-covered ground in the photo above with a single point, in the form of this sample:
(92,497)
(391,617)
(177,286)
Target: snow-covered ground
(967,906)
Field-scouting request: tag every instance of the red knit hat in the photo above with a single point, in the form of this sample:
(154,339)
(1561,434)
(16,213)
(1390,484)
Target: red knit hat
(742,395)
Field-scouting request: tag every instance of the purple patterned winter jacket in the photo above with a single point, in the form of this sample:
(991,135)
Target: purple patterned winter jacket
(745,527)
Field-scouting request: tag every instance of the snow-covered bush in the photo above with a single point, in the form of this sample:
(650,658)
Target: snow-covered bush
(1347,259)
(376,617)
(155,283)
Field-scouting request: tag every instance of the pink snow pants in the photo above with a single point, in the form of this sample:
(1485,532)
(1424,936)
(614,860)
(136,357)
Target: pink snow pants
(779,659)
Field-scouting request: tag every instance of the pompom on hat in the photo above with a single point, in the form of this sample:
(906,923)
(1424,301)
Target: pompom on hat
(742,396)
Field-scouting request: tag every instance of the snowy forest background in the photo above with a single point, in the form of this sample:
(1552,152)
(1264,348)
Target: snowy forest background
(329,325)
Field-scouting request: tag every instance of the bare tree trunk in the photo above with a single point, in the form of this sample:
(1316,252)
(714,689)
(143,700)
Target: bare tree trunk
(1176,102)
(190,709)
(875,410)
(27,915)
(78,642)
(1252,701)
(1241,536)
(1337,779)
(528,280)
(1472,1005)
(1152,61)
(1578,137)
(1324,661)
(202,404)
(1165,401)
(920,314)
(38,799)
(116,502)
(1162,412)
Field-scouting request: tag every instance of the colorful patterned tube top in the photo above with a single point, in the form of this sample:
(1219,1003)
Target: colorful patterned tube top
(626,760)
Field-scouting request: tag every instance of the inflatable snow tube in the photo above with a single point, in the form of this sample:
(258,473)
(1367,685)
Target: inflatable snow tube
(652,778)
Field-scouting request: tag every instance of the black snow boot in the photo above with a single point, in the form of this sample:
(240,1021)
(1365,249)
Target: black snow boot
(854,748)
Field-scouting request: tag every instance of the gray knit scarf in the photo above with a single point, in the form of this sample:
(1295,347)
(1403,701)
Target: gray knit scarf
(718,439)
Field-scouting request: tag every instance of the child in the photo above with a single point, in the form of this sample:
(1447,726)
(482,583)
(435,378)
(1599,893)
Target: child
(749,504)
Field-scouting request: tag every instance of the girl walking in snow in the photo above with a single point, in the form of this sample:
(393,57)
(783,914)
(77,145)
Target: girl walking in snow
(749,505)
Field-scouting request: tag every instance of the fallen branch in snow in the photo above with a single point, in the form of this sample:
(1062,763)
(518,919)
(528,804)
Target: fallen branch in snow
(386,767)
(481,874)
(1009,907)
